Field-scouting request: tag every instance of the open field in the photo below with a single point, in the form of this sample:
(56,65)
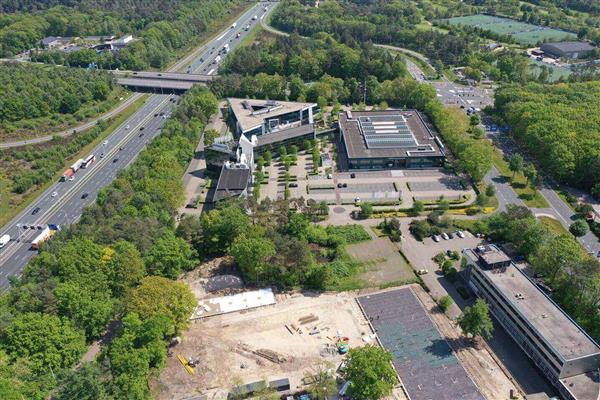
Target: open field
(523,33)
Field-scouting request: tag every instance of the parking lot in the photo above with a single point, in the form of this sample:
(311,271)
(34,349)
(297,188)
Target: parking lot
(450,93)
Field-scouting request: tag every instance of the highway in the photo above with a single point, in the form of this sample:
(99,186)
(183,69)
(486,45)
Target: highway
(118,151)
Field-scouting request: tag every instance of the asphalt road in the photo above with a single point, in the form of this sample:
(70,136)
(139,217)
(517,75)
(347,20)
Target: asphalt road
(80,128)
(121,148)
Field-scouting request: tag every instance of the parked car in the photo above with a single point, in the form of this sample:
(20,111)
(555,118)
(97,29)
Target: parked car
(422,271)
(451,235)
(353,175)
(339,185)
(445,236)
(460,234)
(435,238)
(293,184)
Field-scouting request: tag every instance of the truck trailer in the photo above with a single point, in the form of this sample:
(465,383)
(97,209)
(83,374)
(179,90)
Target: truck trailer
(44,236)
(4,240)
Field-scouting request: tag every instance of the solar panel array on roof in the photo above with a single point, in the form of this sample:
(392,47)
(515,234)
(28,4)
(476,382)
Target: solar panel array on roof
(386,131)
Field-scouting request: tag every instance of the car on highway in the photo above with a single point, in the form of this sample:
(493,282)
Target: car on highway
(101,155)
(141,134)
(105,142)
(141,129)
(115,160)
(35,211)
(54,194)
(120,148)
(156,115)
(85,195)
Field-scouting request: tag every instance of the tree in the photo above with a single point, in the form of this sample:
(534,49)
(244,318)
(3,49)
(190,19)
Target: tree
(324,384)
(445,302)
(530,173)
(158,295)
(579,228)
(490,190)
(476,321)
(251,255)
(370,370)
(47,341)
(366,210)
(418,206)
(268,157)
(170,256)
(596,191)
(515,164)
(89,382)
(124,268)
(556,257)
(475,120)
(323,208)
(476,159)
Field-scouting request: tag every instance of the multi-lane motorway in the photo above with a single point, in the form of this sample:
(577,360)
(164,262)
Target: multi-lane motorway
(114,154)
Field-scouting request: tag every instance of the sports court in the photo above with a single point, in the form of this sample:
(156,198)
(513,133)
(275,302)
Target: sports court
(522,32)
(426,364)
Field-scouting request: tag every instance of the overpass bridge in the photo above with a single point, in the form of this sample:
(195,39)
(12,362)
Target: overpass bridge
(160,81)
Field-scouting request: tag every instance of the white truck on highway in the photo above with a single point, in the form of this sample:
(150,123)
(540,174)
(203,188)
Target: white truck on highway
(4,240)
(226,48)
(44,236)
(233,25)
(217,59)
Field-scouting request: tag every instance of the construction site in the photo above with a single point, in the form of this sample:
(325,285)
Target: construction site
(291,340)
(244,340)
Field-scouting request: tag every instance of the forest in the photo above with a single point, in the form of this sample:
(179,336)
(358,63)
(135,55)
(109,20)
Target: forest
(559,125)
(164,29)
(34,96)
(115,264)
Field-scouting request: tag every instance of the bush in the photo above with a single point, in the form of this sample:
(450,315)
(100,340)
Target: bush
(350,233)
(439,258)
(579,228)
(473,210)
(445,302)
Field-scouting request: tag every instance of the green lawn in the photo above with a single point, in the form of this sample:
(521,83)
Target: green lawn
(532,198)
(8,204)
(554,226)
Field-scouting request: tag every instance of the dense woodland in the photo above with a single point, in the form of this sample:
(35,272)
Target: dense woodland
(30,92)
(559,125)
(116,262)
(163,27)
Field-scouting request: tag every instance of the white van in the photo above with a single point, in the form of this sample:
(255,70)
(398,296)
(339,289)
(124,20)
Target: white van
(4,240)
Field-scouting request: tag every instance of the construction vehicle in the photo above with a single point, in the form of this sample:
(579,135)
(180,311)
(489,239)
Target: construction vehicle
(189,367)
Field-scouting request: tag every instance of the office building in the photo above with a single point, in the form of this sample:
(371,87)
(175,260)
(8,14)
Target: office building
(560,348)
(394,139)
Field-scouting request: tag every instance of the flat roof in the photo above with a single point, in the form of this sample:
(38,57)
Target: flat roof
(425,362)
(573,46)
(232,182)
(492,254)
(562,333)
(233,303)
(250,113)
(284,134)
(387,134)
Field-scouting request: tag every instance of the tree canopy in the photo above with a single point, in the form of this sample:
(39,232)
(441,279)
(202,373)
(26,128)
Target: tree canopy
(369,368)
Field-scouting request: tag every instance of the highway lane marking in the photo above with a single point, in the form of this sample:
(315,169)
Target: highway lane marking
(74,189)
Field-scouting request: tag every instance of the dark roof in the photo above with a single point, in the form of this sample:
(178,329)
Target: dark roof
(285,134)
(425,362)
(423,145)
(568,47)
(232,182)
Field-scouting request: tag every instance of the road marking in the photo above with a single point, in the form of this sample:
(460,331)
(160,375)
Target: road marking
(80,182)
